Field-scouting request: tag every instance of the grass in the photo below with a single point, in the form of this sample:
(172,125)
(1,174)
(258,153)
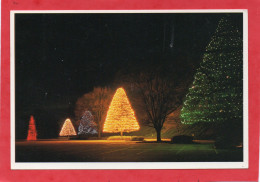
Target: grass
(168,131)
(121,151)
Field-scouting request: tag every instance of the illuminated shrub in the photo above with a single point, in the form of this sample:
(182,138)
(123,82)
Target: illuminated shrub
(67,128)
(87,125)
(32,133)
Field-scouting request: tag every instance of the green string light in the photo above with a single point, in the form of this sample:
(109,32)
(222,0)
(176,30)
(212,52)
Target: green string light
(216,92)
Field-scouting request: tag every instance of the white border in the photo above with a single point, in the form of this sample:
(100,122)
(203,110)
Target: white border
(133,165)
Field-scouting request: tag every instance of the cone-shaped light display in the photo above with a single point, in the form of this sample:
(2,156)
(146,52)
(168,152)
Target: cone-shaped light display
(32,133)
(120,115)
(67,128)
(87,125)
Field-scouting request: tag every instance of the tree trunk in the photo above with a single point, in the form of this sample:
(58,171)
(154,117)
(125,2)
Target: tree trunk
(99,133)
(99,128)
(158,131)
(121,133)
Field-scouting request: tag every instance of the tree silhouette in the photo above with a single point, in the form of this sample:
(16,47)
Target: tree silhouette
(161,95)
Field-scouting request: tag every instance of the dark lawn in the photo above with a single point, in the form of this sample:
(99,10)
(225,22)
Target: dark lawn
(120,151)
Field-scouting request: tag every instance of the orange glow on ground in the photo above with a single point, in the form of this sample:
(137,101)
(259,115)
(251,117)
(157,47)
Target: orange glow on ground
(32,133)
(67,128)
(154,139)
(120,116)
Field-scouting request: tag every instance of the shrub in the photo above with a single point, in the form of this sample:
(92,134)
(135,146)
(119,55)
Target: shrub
(137,138)
(182,139)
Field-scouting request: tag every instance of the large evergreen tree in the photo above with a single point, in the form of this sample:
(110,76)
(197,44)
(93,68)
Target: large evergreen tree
(216,94)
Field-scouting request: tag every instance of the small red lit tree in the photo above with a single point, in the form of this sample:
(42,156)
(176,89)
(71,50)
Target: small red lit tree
(120,115)
(67,128)
(32,133)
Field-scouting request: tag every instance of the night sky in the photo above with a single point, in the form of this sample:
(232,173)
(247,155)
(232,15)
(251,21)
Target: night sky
(60,57)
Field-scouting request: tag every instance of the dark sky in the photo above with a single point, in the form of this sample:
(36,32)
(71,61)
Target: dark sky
(59,57)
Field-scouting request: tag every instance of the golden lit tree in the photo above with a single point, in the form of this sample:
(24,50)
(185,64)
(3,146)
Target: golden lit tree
(67,128)
(120,115)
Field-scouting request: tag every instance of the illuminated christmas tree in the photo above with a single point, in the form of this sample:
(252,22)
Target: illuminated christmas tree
(32,133)
(216,95)
(67,128)
(120,115)
(87,125)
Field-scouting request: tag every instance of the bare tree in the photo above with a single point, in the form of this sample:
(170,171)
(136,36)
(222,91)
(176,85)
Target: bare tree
(97,102)
(161,95)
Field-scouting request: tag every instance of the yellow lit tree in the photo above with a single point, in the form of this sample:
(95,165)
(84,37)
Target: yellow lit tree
(120,116)
(67,128)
